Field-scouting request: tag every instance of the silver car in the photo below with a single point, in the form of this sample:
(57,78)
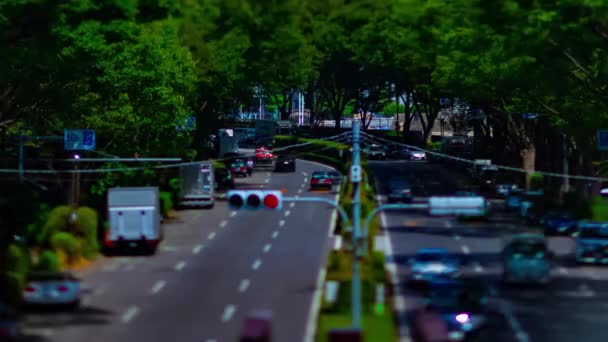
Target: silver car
(431,263)
(52,288)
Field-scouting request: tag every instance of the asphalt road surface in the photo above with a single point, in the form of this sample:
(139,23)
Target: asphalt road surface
(213,268)
(573,308)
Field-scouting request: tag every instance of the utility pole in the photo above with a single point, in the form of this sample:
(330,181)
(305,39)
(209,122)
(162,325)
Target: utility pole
(356,181)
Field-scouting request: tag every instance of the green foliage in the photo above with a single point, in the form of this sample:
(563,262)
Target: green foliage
(66,242)
(57,221)
(18,259)
(49,261)
(599,209)
(333,263)
(537,181)
(166,203)
(11,285)
(579,205)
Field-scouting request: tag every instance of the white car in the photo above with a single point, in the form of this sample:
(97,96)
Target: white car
(52,288)
(417,155)
(432,263)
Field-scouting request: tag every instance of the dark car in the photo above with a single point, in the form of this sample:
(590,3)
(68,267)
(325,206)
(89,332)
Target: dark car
(558,223)
(400,192)
(239,168)
(321,180)
(285,164)
(376,153)
(223,180)
(10,328)
(336,177)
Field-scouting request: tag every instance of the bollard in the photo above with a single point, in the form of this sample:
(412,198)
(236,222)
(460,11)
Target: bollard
(345,335)
(257,327)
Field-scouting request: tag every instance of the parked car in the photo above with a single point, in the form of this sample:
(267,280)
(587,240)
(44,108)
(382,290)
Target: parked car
(285,164)
(52,288)
(559,223)
(10,325)
(503,190)
(336,177)
(321,180)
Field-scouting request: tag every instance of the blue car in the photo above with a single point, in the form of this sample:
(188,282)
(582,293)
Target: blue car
(559,223)
(592,242)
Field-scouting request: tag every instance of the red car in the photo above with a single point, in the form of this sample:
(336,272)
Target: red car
(263,155)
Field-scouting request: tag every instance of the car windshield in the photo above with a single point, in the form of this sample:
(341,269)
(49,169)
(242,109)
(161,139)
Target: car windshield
(431,257)
(528,249)
(594,232)
(319,175)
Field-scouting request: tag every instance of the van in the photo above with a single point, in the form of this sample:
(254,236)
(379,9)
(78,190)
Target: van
(527,260)
(592,242)
(134,219)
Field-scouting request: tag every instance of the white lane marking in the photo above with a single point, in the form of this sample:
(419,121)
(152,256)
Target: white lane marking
(266,180)
(129,267)
(267,247)
(281,223)
(300,191)
(267,174)
(244,285)
(302,185)
(130,314)
(520,334)
(457,237)
(275,234)
(225,222)
(158,286)
(478,268)
(304,173)
(292,204)
(228,313)
(256,264)
(197,249)
(233,213)
(211,236)
(287,212)
(562,270)
(465,250)
(305,180)
(180,265)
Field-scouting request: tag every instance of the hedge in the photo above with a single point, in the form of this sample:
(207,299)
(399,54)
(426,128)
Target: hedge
(18,259)
(86,227)
(166,203)
(11,285)
(49,261)
(57,221)
(68,243)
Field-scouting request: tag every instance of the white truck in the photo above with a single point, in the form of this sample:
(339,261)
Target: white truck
(197,185)
(134,219)
(459,206)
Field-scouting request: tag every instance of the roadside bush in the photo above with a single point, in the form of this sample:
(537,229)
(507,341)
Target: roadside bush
(166,203)
(66,242)
(377,267)
(599,209)
(49,261)
(537,181)
(333,263)
(87,226)
(343,302)
(18,259)
(11,285)
(36,228)
(578,205)
(57,221)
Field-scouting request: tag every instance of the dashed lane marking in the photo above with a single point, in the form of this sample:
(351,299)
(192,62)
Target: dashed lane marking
(457,237)
(465,250)
(244,285)
(211,236)
(130,314)
(267,247)
(287,213)
(281,223)
(225,222)
(158,286)
(232,213)
(228,313)
(478,268)
(256,264)
(197,249)
(292,204)
(180,265)
(275,234)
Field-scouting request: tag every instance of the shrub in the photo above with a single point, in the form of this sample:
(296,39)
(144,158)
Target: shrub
(378,270)
(599,209)
(67,243)
(87,228)
(11,285)
(57,221)
(343,302)
(49,261)
(18,259)
(166,203)
(536,181)
(334,261)
(578,205)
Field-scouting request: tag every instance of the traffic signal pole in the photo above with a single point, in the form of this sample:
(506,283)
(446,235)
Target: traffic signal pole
(356,282)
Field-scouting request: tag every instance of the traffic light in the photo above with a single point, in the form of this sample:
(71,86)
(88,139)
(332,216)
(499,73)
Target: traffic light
(255,199)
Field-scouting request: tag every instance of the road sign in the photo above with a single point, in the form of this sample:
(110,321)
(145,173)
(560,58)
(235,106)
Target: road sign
(79,139)
(530,116)
(255,199)
(355,173)
(188,125)
(602,139)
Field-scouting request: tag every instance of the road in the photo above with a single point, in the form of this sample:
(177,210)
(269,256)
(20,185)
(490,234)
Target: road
(213,268)
(571,309)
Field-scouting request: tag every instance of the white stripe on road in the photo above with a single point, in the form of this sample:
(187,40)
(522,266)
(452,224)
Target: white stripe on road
(281,223)
(158,286)
(228,313)
(562,270)
(256,264)
(180,265)
(225,222)
(292,204)
(300,191)
(304,173)
(305,180)
(232,213)
(275,234)
(456,237)
(287,213)
(211,236)
(244,285)
(478,268)
(465,250)
(197,249)
(267,247)
(130,314)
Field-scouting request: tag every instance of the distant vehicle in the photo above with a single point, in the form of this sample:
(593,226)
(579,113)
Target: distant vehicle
(376,153)
(285,164)
(503,190)
(321,180)
(196,185)
(559,223)
(592,242)
(263,156)
(265,130)
(526,259)
(52,288)
(431,263)
(399,153)
(400,192)
(134,219)
(228,142)
(417,155)
(10,325)
(336,177)
(239,168)
(465,207)
(223,180)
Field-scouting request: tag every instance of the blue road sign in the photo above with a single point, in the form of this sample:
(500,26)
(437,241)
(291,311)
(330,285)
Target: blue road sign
(602,139)
(79,139)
